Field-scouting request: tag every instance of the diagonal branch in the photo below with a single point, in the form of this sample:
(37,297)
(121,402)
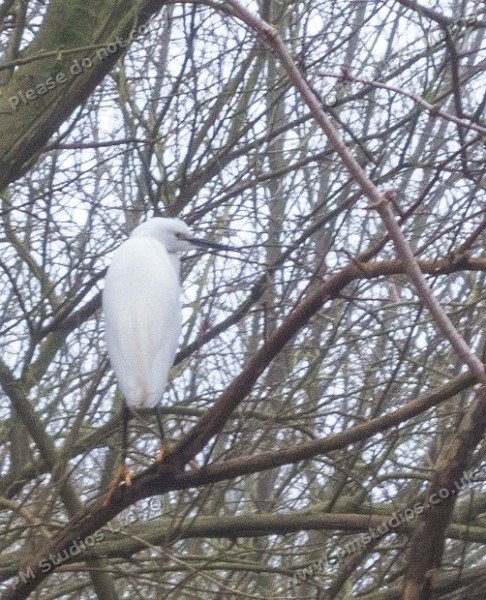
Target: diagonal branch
(30,118)
(412,268)
(212,423)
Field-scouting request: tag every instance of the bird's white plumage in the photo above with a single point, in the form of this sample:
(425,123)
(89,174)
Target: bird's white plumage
(141,304)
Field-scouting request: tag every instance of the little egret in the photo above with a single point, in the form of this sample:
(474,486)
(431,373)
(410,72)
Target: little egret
(142,310)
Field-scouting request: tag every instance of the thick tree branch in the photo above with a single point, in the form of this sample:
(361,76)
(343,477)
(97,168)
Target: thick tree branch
(197,438)
(70,33)
(429,535)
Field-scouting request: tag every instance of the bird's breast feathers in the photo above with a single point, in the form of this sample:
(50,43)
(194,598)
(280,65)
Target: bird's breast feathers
(141,301)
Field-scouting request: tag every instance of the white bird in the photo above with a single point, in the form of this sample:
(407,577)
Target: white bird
(142,311)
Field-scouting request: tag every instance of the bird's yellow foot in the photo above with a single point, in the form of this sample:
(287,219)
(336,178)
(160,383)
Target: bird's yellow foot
(163,452)
(122,475)
(193,467)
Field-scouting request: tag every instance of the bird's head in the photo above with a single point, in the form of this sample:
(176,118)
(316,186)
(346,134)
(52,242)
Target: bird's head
(174,234)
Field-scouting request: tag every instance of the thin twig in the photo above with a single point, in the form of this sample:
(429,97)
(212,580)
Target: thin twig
(434,110)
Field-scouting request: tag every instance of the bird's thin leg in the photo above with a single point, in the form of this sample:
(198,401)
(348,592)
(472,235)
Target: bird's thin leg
(123,473)
(165,449)
(160,414)
(125,415)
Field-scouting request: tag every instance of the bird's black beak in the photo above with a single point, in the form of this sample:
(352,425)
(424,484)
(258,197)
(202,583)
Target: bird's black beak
(207,243)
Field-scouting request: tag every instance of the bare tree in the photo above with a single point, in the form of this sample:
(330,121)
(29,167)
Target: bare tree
(330,381)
